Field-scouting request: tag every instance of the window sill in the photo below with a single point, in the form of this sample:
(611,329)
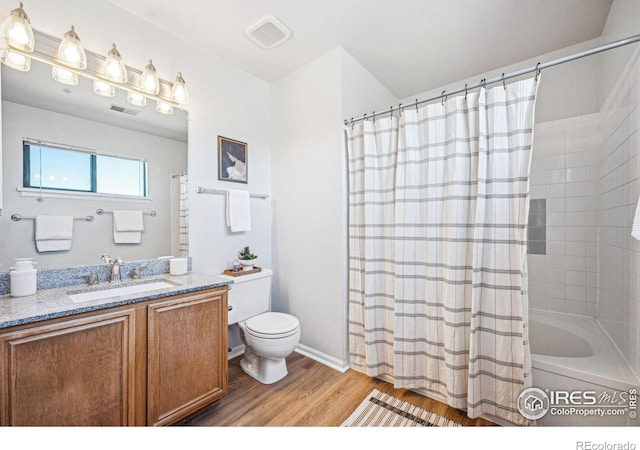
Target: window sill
(48,193)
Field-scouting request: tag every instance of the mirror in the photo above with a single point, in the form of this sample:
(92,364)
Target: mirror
(36,107)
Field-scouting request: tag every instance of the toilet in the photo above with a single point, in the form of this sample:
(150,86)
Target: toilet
(268,337)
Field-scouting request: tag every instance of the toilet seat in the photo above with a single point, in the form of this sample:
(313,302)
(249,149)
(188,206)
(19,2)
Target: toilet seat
(272,325)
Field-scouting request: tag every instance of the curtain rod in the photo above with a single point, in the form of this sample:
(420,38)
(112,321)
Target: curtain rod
(537,68)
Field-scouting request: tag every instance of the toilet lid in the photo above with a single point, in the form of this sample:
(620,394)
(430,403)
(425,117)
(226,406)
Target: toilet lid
(272,323)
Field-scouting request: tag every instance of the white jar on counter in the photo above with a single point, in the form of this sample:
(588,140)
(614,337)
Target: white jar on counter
(24,278)
(178,266)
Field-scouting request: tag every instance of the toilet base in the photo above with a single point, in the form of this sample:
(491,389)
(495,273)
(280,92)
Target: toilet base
(265,370)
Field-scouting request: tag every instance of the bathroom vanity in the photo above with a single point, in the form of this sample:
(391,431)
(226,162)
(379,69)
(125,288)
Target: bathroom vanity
(146,358)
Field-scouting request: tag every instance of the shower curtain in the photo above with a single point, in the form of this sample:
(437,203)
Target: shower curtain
(183,224)
(438,208)
(179,214)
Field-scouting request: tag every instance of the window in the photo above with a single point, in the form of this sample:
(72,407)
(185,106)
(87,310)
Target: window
(48,166)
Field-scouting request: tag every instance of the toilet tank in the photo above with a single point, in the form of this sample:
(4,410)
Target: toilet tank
(249,295)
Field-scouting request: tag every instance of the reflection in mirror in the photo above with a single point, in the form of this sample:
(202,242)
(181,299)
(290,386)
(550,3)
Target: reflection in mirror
(35,108)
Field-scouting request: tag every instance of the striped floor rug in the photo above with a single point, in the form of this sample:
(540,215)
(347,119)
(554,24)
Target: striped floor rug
(383,410)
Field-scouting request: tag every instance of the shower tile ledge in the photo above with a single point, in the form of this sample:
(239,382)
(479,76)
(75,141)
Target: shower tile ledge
(53,303)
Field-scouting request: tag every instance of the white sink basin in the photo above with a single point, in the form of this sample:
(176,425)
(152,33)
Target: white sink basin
(87,296)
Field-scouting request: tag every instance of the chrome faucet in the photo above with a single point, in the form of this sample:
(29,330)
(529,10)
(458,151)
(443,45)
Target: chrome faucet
(116,276)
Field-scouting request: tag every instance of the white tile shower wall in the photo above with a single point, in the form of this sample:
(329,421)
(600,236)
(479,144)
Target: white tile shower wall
(563,171)
(619,254)
(588,169)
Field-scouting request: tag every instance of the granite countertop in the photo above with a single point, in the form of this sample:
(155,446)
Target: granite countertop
(51,303)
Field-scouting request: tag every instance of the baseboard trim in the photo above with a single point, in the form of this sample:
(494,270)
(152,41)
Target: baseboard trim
(323,358)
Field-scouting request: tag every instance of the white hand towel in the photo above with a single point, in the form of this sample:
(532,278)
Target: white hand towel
(635,228)
(53,233)
(125,220)
(127,227)
(238,210)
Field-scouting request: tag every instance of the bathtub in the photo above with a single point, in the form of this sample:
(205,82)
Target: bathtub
(571,353)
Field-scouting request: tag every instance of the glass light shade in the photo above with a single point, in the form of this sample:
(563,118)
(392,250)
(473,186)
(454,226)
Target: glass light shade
(114,68)
(16,60)
(149,81)
(104,89)
(71,52)
(136,99)
(17,32)
(64,76)
(179,90)
(164,108)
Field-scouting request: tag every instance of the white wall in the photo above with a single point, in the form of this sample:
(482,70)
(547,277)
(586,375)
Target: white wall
(566,90)
(564,171)
(224,101)
(618,159)
(90,240)
(622,22)
(309,192)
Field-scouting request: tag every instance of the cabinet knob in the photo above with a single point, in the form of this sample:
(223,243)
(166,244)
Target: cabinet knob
(229,307)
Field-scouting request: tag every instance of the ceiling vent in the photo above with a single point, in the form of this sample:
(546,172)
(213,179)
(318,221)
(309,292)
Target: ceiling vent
(122,109)
(268,32)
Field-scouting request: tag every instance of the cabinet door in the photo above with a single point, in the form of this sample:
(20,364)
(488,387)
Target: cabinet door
(76,372)
(187,355)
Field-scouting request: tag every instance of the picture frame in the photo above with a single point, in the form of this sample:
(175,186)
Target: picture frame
(232,160)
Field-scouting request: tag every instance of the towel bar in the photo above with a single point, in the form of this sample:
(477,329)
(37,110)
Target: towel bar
(102,211)
(18,218)
(202,190)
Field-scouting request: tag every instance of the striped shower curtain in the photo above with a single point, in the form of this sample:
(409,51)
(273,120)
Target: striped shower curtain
(183,213)
(438,207)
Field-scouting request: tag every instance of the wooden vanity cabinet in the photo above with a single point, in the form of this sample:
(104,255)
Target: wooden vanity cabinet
(76,372)
(150,363)
(187,356)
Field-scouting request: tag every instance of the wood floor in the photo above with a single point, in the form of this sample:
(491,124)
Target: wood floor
(311,395)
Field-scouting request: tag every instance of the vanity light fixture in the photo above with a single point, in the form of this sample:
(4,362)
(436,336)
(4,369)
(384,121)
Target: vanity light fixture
(104,89)
(71,52)
(16,31)
(69,61)
(179,91)
(15,60)
(164,107)
(149,81)
(114,68)
(64,76)
(136,99)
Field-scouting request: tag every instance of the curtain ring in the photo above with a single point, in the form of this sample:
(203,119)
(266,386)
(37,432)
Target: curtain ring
(416,105)
(465,91)
(503,84)
(537,71)
(442,98)
(391,112)
(399,109)
(373,116)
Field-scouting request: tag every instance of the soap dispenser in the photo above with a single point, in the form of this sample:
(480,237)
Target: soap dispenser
(24,278)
